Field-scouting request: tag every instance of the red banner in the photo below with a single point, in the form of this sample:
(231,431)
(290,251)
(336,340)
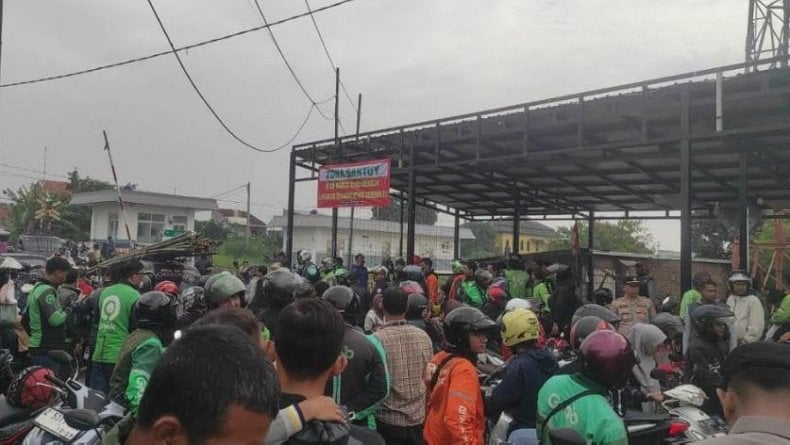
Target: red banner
(359,184)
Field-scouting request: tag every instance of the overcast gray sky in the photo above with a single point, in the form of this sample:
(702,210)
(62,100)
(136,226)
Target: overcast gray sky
(411,59)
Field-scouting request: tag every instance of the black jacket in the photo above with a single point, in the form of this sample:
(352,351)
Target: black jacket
(704,360)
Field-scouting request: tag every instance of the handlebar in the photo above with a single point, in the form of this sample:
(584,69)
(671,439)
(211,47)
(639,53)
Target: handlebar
(55,380)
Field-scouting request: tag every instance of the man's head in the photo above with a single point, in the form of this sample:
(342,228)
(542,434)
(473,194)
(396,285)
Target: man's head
(309,340)
(359,259)
(212,386)
(224,290)
(708,292)
(756,381)
(395,302)
(238,317)
(57,269)
(426,264)
(642,268)
(739,282)
(631,288)
(699,280)
(130,272)
(71,276)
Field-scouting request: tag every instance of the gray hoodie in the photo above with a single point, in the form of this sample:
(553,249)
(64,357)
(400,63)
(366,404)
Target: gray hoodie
(645,339)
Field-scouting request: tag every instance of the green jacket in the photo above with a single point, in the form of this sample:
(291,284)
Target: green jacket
(541,290)
(691,296)
(591,416)
(472,294)
(116,307)
(517,282)
(47,318)
(137,361)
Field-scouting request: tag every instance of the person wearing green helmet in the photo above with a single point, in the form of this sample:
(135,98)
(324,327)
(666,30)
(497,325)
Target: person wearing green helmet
(780,318)
(459,274)
(224,290)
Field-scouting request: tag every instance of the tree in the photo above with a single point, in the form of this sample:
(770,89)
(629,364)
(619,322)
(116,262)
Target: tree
(484,244)
(709,239)
(423,215)
(623,236)
(212,229)
(80,216)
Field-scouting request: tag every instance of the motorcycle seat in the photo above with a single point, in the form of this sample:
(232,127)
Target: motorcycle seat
(10,413)
(639,417)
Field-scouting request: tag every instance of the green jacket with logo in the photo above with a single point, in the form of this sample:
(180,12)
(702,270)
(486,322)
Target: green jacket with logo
(47,318)
(137,361)
(116,308)
(517,282)
(471,294)
(591,416)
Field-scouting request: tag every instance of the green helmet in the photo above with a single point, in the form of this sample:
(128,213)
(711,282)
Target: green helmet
(222,286)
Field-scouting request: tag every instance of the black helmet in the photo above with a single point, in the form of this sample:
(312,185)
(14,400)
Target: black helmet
(413,273)
(146,284)
(192,299)
(586,326)
(596,310)
(155,310)
(416,304)
(345,300)
(602,296)
(706,316)
(671,325)
(461,322)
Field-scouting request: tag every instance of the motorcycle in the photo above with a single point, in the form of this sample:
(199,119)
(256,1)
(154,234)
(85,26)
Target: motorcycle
(82,416)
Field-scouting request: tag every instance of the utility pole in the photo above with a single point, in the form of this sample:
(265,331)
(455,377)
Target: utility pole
(1,35)
(45,162)
(118,189)
(249,232)
(351,222)
(333,249)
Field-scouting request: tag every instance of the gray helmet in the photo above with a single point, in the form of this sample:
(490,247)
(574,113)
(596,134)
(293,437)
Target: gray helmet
(222,286)
(345,300)
(739,276)
(596,310)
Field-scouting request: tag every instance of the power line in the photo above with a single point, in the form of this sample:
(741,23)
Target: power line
(164,53)
(285,61)
(328,56)
(228,191)
(33,170)
(208,105)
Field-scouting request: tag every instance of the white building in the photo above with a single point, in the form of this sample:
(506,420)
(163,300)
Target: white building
(372,238)
(150,216)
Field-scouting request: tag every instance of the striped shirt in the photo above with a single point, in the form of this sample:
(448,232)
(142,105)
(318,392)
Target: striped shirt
(409,350)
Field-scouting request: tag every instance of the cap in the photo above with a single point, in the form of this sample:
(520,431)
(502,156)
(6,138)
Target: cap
(755,355)
(631,279)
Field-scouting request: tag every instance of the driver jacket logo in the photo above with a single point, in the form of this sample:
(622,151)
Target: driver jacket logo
(111,308)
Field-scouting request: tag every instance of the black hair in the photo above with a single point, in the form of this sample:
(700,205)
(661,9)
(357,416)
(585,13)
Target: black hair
(321,287)
(309,337)
(123,271)
(243,319)
(767,378)
(201,376)
(357,256)
(428,262)
(57,264)
(708,283)
(71,276)
(395,301)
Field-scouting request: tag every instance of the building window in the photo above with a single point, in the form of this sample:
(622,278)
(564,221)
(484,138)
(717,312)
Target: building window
(180,223)
(529,246)
(521,245)
(150,227)
(112,225)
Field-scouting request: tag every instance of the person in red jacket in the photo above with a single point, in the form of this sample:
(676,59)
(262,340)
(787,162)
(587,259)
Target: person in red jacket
(455,412)
(431,285)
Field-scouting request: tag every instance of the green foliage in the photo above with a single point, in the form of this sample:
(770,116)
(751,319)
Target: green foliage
(709,239)
(255,249)
(22,211)
(212,229)
(622,236)
(423,214)
(484,244)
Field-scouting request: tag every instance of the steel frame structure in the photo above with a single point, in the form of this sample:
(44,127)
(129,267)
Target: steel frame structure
(681,143)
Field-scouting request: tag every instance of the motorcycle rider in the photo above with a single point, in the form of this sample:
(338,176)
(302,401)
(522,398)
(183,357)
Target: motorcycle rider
(417,314)
(647,340)
(748,310)
(472,290)
(455,405)
(579,401)
(580,330)
(46,316)
(693,295)
(169,288)
(224,290)
(364,383)
(516,276)
(115,304)
(707,351)
(780,318)
(451,286)
(328,269)
(155,316)
(192,306)
(524,375)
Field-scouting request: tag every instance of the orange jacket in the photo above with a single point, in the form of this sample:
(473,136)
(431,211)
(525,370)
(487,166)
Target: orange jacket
(454,414)
(432,283)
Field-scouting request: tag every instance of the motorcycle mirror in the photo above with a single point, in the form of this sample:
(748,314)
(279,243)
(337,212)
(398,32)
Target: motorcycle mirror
(62,357)
(82,419)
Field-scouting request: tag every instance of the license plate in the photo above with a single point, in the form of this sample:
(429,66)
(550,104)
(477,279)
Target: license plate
(52,421)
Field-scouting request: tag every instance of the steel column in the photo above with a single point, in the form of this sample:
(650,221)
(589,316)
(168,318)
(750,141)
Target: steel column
(743,211)
(333,248)
(412,207)
(517,223)
(590,246)
(289,230)
(685,191)
(457,235)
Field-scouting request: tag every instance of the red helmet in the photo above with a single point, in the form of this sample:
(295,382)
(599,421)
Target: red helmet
(167,287)
(586,326)
(411,287)
(497,294)
(607,357)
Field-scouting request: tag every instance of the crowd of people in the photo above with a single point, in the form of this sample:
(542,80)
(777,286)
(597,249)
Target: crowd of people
(325,353)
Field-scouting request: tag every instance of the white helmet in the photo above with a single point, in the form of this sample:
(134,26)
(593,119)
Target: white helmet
(739,276)
(305,255)
(517,303)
